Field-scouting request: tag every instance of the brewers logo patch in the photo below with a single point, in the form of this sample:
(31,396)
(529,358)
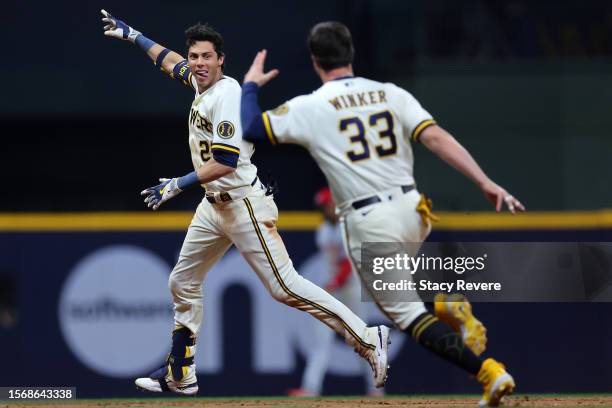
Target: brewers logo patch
(281,109)
(225,130)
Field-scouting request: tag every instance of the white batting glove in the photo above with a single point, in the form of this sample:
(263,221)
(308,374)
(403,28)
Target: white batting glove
(159,194)
(117,28)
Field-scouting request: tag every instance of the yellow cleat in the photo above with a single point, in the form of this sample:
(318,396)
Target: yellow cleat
(496,381)
(457,312)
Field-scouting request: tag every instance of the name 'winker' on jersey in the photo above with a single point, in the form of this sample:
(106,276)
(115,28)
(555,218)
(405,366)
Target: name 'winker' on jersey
(358,99)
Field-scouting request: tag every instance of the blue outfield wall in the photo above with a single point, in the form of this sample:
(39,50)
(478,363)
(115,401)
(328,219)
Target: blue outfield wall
(93,311)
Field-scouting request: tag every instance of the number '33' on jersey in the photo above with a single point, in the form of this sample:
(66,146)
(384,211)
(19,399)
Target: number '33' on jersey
(357,130)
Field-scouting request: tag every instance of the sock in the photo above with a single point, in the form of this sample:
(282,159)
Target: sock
(439,338)
(178,359)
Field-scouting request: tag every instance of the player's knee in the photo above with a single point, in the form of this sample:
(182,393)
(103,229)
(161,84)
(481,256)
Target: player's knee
(285,290)
(173,283)
(183,290)
(279,294)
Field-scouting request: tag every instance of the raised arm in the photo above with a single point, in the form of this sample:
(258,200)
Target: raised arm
(446,147)
(168,61)
(253,124)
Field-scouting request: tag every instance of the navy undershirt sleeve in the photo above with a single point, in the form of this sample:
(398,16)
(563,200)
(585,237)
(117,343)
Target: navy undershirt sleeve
(226,158)
(253,128)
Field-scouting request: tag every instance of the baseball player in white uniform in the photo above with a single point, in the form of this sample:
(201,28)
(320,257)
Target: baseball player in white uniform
(339,280)
(237,209)
(359,132)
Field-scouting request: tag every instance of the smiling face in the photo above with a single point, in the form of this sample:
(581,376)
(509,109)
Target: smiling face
(205,64)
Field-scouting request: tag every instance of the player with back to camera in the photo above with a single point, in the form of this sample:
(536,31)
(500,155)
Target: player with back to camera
(359,131)
(237,209)
(338,279)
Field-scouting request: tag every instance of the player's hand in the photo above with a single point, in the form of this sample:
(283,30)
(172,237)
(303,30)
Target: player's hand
(256,72)
(499,197)
(159,194)
(117,28)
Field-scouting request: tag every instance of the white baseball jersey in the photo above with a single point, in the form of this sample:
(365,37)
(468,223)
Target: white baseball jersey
(357,130)
(214,124)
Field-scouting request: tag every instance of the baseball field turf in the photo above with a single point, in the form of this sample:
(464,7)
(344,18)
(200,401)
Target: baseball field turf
(438,401)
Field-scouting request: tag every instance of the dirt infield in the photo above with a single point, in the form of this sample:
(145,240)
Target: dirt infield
(581,401)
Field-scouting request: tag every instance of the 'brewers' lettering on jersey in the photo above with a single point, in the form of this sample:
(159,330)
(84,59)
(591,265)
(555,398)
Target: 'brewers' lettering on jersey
(199,121)
(215,131)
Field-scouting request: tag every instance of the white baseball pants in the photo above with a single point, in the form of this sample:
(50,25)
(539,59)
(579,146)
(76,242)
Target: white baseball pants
(250,224)
(323,341)
(392,220)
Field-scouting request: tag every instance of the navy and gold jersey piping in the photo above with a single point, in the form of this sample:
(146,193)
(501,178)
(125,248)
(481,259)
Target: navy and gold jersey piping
(420,127)
(268,127)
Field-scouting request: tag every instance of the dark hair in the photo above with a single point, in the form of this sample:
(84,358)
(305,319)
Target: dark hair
(331,45)
(205,32)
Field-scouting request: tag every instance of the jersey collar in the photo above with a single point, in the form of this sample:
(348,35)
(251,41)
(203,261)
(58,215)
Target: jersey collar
(343,77)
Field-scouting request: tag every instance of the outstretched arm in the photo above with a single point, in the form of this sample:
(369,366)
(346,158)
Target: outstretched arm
(170,62)
(168,188)
(446,147)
